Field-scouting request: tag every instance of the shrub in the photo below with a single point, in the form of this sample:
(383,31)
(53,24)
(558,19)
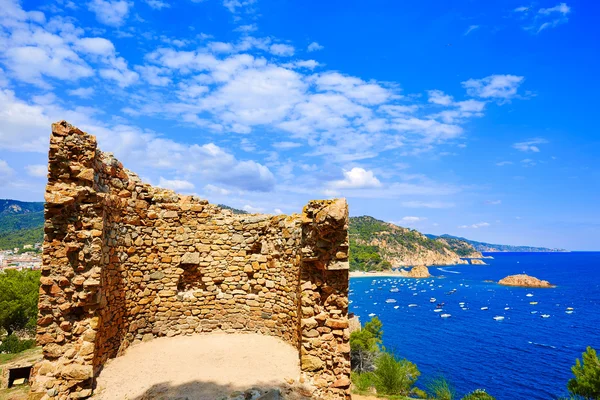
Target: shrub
(418,393)
(441,389)
(393,376)
(362,381)
(12,344)
(586,382)
(478,394)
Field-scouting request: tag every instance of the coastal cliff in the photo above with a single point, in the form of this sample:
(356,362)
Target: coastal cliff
(377,245)
(523,280)
(420,271)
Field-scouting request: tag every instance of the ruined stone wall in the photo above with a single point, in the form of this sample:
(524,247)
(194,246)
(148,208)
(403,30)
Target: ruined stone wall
(125,262)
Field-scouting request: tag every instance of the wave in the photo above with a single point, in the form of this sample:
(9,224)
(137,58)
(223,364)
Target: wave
(542,345)
(448,271)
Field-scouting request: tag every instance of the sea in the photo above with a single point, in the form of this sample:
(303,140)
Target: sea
(523,356)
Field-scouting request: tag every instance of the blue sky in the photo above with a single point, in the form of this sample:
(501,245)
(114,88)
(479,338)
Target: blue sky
(474,118)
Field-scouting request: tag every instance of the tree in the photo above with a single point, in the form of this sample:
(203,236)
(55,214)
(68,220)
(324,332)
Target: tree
(586,382)
(18,299)
(364,345)
(393,376)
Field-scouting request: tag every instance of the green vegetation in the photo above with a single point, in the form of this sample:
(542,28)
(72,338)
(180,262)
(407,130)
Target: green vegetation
(440,389)
(365,345)
(12,345)
(18,300)
(366,252)
(21,223)
(478,394)
(586,383)
(393,376)
(233,210)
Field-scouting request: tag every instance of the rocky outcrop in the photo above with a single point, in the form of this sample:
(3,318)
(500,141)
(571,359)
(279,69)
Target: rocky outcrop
(397,246)
(525,281)
(419,271)
(476,261)
(124,262)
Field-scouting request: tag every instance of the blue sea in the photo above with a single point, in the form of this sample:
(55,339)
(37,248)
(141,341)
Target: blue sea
(523,356)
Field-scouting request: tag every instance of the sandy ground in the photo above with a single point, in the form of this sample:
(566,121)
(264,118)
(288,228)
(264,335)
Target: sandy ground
(203,367)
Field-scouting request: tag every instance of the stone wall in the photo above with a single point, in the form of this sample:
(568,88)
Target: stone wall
(125,262)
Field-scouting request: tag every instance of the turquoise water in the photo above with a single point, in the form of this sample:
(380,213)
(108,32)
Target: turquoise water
(523,356)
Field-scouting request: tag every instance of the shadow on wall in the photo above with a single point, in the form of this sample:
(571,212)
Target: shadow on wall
(214,391)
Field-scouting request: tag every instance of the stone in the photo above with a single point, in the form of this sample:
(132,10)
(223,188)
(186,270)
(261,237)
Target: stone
(158,275)
(77,372)
(190,258)
(311,363)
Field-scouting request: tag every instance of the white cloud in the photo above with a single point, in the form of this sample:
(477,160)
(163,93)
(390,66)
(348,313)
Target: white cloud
(157,4)
(439,97)
(217,190)
(37,170)
(314,46)
(286,145)
(176,184)
(246,28)
(561,8)
(503,163)
(475,226)
(252,209)
(352,87)
(530,145)
(283,50)
(234,5)
(96,46)
(357,178)
(503,87)
(84,93)
(110,12)
(521,9)
(471,29)
(413,220)
(6,172)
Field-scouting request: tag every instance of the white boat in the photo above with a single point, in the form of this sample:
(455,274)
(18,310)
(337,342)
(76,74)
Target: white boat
(533,303)
(507,308)
(390,301)
(570,308)
(534,312)
(529,295)
(414,294)
(498,317)
(445,316)
(569,311)
(438,310)
(484,308)
(394,290)
(412,305)
(372,315)
(396,307)
(432,300)
(545,315)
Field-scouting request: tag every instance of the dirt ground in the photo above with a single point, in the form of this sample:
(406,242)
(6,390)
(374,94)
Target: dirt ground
(208,367)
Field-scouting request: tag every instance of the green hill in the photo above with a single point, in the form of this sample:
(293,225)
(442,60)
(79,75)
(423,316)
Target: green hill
(377,245)
(21,223)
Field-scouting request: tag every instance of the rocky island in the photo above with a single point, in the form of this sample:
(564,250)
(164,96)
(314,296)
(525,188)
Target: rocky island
(523,280)
(419,271)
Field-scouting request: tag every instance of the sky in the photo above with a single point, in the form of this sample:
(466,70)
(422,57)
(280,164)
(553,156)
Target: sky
(472,118)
